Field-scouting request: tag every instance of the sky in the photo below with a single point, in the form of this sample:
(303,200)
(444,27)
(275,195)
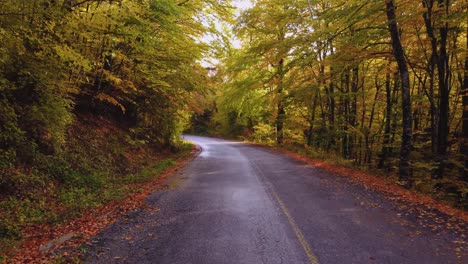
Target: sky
(242,4)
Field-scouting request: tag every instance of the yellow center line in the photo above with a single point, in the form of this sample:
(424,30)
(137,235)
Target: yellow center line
(313,259)
(307,249)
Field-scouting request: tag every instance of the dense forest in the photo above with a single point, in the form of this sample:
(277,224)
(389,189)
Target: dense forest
(376,84)
(91,89)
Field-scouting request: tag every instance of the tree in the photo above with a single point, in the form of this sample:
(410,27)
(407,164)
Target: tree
(345,92)
(399,53)
(464,144)
(135,62)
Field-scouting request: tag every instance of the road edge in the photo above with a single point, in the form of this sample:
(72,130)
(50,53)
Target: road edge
(53,248)
(372,182)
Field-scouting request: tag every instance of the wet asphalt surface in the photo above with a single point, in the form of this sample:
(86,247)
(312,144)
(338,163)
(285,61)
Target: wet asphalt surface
(237,203)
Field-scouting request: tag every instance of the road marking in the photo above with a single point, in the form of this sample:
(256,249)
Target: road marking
(307,249)
(313,259)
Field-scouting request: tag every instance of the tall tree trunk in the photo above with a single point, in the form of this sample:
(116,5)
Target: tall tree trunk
(439,59)
(353,110)
(280,106)
(395,96)
(464,145)
(323,83)
(346,113)
(310,130)
(331,112)
(369,142)
(399,54)
(427,15)
(443,73)
(388,123)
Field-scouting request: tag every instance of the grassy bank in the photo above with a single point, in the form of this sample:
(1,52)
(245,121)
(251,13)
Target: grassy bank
(101,164)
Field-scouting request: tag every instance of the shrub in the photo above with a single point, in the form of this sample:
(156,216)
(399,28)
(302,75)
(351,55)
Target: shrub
(264,133)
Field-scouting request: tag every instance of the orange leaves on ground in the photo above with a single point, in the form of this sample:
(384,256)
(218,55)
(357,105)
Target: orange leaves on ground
(394,191)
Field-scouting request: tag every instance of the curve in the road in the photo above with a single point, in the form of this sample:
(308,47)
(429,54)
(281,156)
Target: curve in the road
(236,203)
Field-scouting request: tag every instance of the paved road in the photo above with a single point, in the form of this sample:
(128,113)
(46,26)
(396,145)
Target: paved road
(237,203)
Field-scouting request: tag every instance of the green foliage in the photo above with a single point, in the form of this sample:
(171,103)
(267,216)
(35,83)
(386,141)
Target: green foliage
(17,213)
(137,62)
(24,184)
(330,66)
(76,199)
(124,58)
(11,136)
(147,173)
(293,136)
(202,123)
(264,133)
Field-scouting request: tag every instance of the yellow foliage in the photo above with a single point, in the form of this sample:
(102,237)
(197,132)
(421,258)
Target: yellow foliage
(109,99)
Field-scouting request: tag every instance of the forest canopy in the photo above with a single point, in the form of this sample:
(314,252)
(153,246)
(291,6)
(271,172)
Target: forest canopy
(134,60)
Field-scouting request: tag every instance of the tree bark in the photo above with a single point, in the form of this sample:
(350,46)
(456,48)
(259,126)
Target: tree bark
(407,135)
(368,141)
(439,59)
(464,144)
(388,123)
(443,73)
(280,106)
(311,121)
(346,113)
(427,16)
(353,109)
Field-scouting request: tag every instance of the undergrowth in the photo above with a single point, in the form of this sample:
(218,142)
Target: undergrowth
(100,164)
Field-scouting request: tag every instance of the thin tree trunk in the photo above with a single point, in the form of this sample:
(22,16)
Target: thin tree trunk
(443,73)
(388,123)
(368,158)
(280,106)
(427,15)
(331,113)
(398,51)
(353,110)
(311,121)
(439,59)
(346,113)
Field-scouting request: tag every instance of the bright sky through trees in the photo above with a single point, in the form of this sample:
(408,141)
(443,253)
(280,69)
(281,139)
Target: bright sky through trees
(240,5)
